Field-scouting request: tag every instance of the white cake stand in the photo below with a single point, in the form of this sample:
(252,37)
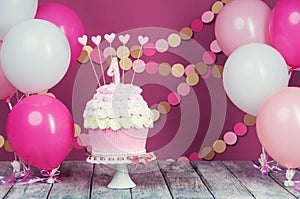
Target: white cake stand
(121,178)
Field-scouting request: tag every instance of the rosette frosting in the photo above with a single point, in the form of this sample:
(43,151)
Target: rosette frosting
(117,106)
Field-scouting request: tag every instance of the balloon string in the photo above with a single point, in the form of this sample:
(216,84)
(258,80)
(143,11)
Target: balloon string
(100,59)
(94,70)
(136,63)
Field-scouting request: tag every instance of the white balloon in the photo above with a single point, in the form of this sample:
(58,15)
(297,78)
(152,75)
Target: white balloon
(252,73)
(13,12)
(35,55)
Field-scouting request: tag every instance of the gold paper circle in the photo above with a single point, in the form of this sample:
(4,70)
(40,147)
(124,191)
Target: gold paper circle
(43,92)
(207,153)
(123,52)
(174,40)
(84,56)
(177,70)
(108,60)
(201,68)
(186,33)
(125,63)
(7,147)
(77,130)
(217,71)
(249,120)
(192,79)
(217,7)
(2,141)
(164,69)
(136,51)
(225,1)
(164,107)
(156,115)
(219,146)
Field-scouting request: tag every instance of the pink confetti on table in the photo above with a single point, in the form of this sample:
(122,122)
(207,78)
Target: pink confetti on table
(161,45)
(197,25)
(207,16)
(183,159)
(189,69)
(149,49)
(240,129)
(209,57)
(230,138)
(174,98)
(195,156)
(151,67)
(214,46)
(183,89)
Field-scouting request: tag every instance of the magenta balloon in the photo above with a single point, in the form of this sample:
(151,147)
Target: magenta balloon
(6,88)
(68,21)
(278,126)
(241,22)
(40,129)
(285,30)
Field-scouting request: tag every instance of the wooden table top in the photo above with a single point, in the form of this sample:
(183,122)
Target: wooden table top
(196,179)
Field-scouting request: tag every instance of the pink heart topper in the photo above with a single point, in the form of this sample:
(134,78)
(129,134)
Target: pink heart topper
(82,40)
(96,40)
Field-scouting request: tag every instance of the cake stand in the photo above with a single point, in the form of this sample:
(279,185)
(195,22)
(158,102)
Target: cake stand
(121,178)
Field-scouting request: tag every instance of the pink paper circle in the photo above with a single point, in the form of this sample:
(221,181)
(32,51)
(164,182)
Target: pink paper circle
(207,75)
(240,129)
(214,46)
(139,66)
(174,98)
(108,51)
(209,57)
(151,67)
(183,89)
(197,25)
(161,45)
(149,49)
(230,138)
(189,69)
(95,56)
(195,156)
(207,16)
(77,144)
(183,159)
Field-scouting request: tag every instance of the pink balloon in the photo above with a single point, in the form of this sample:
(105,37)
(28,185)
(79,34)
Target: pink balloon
(6,88)
(40,129)
(285,30)
(242,22)
(278,126)
(68,21)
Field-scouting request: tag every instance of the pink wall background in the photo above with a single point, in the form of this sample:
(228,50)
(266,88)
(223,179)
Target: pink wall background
(136,16)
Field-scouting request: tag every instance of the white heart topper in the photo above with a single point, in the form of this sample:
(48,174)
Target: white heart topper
(82,40)
(110,38)
(143,40)
(124,38)
(96,39)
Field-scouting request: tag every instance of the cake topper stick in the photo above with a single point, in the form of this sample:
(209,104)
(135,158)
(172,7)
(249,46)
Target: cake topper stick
(97,40)
(83,41)
(143,41)
(113,70)
(124,39)
(110,38)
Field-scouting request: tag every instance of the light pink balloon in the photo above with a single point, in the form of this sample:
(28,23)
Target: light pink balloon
(40,129)
(242,22)
(278,126)
(6,88)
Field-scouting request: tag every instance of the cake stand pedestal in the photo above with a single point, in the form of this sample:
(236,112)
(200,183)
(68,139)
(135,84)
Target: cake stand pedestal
(121,178)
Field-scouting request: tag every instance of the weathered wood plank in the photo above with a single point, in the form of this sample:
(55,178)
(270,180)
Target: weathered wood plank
(149,181)
(35,190)
(76,177)
(183,180)
(280,178)
(102,177)
(220,181)
(260,185)
(5,170)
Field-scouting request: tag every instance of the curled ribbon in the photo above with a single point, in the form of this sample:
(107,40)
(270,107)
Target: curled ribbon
(51,177)
(146,158)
